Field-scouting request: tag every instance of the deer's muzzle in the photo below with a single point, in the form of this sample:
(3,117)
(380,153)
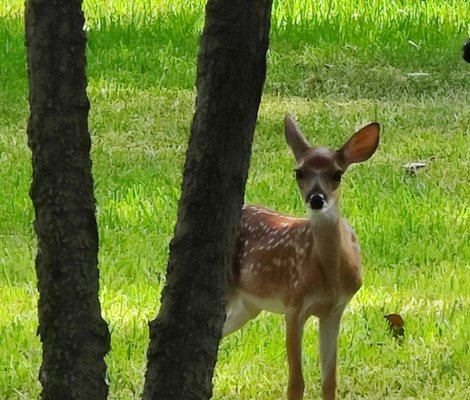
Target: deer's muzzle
(316,201)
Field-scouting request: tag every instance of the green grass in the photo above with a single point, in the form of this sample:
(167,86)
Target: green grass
(336,65)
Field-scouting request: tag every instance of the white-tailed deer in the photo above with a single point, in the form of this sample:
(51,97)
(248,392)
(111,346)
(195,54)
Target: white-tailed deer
(302,267)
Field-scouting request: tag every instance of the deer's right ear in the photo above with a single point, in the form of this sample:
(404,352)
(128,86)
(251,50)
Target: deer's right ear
(294,137)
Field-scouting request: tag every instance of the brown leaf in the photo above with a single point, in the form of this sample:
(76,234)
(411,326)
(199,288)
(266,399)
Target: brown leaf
(396,325)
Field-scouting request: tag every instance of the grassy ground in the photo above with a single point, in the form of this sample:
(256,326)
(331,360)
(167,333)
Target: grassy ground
(336,65)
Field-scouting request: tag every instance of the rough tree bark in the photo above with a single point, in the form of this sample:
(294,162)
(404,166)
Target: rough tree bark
(75,337)
(466,51)
(231,72)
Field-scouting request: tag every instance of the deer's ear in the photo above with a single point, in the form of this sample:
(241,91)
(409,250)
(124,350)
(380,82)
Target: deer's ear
(361,145)
(294,137)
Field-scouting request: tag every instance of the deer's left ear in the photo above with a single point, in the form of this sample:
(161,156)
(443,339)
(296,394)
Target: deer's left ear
(361,145)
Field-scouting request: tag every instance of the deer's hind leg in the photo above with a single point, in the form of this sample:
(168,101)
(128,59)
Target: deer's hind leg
(239,312)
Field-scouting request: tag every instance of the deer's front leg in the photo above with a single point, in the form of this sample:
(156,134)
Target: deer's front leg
(329,329)
(294,330)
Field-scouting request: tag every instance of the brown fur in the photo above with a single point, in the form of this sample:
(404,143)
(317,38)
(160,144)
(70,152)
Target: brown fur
(302,267)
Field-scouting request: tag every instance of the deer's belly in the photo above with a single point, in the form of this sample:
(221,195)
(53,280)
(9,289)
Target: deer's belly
(271,304)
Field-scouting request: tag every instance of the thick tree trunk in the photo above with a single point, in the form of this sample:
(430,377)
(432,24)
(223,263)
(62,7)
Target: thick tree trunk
(231,72)
(75,337)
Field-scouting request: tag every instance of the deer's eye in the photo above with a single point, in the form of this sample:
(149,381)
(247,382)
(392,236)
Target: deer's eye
(337,176)
(299,174)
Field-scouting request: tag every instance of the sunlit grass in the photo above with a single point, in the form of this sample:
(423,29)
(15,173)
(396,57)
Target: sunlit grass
(336,65)
(427,17)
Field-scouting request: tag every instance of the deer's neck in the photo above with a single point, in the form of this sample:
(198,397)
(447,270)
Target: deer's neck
(327,234)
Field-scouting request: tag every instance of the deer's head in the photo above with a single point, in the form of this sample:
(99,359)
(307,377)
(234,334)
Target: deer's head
(319,169)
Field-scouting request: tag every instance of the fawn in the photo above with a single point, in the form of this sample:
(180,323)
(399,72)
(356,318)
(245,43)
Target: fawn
(302,267)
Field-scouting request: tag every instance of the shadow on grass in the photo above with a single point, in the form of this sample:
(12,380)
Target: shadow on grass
(324,60)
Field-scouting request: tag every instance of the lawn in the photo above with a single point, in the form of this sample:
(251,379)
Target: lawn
(336,65)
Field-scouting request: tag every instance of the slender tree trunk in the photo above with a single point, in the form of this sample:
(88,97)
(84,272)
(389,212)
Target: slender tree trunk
(75,337)
(231,72)
(466,51)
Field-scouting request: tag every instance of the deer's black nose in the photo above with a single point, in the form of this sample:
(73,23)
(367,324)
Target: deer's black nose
(316,201)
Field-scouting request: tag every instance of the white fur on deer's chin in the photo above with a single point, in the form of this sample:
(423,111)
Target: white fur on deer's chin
(328,215)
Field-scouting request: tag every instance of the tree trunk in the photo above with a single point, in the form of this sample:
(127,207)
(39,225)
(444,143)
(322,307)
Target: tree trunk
(231,72)
(75,337)
(466,51)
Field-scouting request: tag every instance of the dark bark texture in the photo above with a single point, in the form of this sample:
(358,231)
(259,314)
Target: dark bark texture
(231,73)
(466,51)
(75,337)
